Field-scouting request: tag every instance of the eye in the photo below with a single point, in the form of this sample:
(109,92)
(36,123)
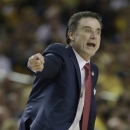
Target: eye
(98,32)
(87,30)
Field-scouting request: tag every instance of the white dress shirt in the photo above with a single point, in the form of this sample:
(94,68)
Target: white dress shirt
(81,62)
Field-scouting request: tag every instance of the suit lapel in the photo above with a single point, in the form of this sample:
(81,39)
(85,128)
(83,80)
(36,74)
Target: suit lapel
(76,65)
(75,62)
(93,74)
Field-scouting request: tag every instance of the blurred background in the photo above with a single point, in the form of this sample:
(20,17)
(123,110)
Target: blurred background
(29,26)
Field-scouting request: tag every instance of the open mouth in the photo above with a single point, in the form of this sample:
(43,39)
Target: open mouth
(90,44)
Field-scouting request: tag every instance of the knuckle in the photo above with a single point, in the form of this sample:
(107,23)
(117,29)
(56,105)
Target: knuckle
(39,53)
(30,59)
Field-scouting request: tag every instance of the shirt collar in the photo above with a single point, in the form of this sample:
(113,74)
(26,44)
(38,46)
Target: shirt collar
(80,60)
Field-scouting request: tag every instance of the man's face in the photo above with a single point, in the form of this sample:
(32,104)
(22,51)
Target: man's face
(86,39)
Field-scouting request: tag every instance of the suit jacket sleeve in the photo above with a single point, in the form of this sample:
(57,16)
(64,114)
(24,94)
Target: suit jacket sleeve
(53,63)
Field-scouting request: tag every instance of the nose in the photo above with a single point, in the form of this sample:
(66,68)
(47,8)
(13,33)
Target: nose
(93,35)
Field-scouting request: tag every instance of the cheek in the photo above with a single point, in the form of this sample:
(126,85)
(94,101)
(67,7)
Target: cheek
(98,40)
(81,40)
(84,36)
(98,44)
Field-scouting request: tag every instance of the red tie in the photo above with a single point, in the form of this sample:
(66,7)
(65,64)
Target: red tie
(87,100)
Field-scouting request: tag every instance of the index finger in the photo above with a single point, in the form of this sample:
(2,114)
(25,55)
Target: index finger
(40,57)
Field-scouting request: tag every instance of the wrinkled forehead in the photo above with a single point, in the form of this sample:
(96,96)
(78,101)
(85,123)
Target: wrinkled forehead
(91,22)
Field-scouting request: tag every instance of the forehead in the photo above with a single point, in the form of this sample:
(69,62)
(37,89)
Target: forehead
(91,22)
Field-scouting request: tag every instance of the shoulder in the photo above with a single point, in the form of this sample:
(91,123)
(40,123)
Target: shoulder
(57,48)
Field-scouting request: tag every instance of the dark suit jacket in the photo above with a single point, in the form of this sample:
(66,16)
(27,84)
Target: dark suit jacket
(54,98)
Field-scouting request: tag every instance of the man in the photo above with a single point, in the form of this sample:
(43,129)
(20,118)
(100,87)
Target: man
(58,98)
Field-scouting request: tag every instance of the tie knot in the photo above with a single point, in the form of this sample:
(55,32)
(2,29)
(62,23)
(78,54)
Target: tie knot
(87,67)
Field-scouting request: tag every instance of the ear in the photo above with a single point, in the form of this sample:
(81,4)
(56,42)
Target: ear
(71,35)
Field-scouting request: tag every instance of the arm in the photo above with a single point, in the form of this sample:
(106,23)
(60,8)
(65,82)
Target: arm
(46,66)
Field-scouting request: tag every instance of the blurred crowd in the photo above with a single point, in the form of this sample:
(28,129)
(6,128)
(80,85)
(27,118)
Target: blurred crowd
(29,26)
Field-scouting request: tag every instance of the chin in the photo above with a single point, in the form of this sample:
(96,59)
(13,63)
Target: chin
(91,54)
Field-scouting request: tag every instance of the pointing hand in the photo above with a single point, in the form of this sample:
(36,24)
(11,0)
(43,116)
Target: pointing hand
(36,62)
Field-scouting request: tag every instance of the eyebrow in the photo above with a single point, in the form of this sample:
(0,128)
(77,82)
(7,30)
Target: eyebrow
(99,29)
